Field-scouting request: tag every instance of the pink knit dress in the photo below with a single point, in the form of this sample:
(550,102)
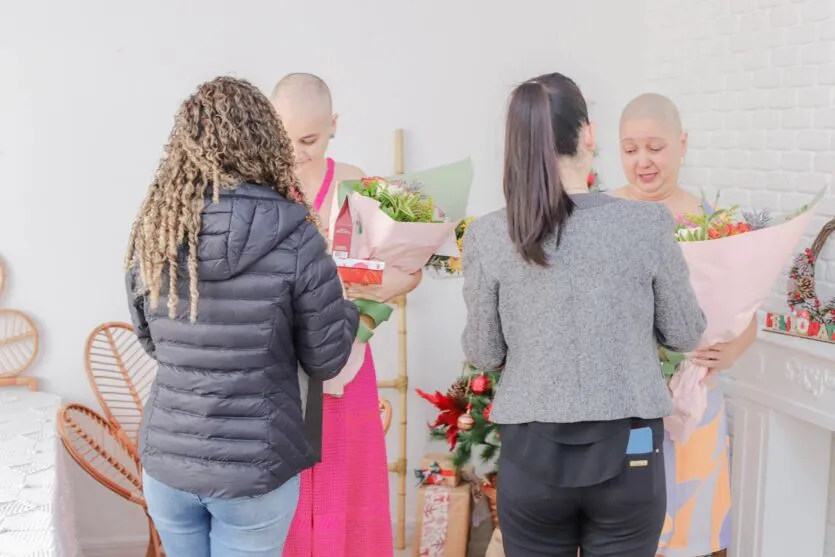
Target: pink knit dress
(344,501)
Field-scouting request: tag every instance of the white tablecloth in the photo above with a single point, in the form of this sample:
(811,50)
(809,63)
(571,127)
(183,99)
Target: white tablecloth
(36,514)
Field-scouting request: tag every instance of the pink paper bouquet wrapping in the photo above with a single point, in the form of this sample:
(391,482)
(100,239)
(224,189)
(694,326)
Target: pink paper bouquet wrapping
(402,220)
(404,245)
(732,277)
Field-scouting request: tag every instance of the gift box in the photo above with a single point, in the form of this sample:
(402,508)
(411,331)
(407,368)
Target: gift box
(343,232)
(442,527)
(437,469)
(359,271)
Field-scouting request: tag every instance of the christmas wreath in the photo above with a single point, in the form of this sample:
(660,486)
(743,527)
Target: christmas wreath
(802,296)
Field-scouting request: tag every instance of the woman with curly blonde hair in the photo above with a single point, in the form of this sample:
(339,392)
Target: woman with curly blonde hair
(231,290)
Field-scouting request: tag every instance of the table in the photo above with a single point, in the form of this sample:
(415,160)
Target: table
(36,513)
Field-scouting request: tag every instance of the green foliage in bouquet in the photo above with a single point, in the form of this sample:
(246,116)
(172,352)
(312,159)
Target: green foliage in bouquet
(401,203)
(669,362)
(721,223)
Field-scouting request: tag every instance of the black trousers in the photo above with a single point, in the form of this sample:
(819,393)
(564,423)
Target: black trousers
(621,517)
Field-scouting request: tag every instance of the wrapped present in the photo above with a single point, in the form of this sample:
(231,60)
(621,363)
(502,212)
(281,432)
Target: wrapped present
(359,271)
(438,469)
(442,527)
(352,270)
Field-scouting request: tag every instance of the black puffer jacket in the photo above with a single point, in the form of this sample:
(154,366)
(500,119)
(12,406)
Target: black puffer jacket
(224,417)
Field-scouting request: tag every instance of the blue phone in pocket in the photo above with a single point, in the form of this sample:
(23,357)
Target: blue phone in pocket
(640,441)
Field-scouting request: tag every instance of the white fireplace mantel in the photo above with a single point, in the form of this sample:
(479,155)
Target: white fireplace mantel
(782,400)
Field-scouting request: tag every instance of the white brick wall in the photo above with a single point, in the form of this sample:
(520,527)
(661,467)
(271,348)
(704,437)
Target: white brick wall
(755,82)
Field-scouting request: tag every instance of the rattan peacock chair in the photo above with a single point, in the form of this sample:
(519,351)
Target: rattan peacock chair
(99,448)
(18,344)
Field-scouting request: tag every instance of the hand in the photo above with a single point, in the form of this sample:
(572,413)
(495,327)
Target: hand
(723,355)
(719,357)
(395,283)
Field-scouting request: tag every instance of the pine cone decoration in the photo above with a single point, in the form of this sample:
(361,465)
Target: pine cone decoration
(458,391)
(805,287)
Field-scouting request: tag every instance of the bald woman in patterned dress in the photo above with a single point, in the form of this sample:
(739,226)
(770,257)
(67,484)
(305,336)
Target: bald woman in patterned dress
(698,521)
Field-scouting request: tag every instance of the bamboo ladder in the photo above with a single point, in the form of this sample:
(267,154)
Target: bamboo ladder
(399,384)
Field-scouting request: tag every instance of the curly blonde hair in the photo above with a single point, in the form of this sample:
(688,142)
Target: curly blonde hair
(225,134)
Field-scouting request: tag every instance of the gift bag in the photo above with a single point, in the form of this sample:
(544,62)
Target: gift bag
(495,549)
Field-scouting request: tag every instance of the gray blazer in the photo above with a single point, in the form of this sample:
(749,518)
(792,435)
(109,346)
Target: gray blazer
(578,339)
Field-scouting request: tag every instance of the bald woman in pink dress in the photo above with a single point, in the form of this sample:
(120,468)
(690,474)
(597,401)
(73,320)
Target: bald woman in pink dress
(344,501)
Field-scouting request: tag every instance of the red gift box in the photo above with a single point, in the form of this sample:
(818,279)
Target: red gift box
(343,231)
(359,271)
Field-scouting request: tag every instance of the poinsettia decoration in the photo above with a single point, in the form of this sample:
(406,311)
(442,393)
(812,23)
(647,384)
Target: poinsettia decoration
(451,409)
(469,401)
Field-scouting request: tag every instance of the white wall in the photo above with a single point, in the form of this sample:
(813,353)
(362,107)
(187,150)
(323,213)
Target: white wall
(89,89)
(755,80)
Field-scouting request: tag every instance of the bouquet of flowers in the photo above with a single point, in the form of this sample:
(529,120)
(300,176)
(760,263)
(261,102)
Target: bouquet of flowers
(734,260)
(402,221)
(444,266)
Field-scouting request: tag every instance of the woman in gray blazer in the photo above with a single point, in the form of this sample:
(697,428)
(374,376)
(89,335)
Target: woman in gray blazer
(570,292)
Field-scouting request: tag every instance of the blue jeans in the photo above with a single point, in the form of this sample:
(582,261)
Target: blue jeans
(194,526)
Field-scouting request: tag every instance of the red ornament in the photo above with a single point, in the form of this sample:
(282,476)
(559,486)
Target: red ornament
(466,422)
(480,384)
(487,411)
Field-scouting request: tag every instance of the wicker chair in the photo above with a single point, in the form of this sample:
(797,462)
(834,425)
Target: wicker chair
(121,375)
(103,452)
(18,344)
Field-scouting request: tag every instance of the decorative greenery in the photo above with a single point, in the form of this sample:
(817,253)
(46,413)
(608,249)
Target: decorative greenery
(452,266)
(472,393)
(721,223)
(758,219)
(403,203)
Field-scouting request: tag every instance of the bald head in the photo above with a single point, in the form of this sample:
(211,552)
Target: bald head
(302,90)
(303,102)
(654,107)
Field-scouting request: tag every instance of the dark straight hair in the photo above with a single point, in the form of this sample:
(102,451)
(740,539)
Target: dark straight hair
(543,121)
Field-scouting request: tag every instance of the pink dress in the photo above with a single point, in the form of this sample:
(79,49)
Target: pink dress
(344,501)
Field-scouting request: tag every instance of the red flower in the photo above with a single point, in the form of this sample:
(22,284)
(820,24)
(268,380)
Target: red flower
(450,410)
(591,179)
(370,181)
